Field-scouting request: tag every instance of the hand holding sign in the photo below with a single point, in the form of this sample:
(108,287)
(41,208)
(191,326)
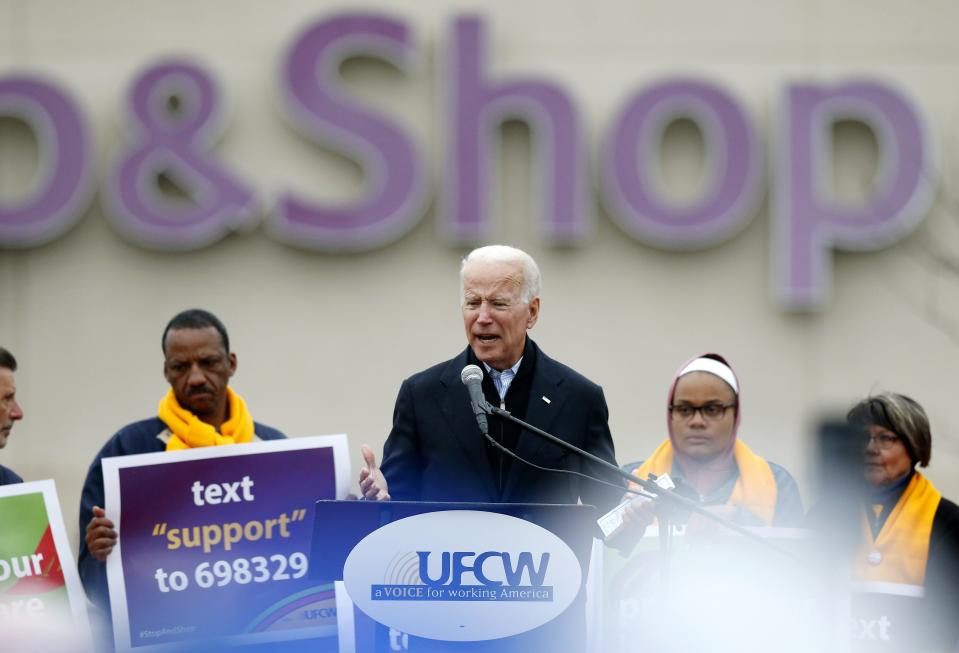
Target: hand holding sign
(101,536)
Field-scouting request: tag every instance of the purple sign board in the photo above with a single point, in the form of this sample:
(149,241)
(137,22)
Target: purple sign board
(214,543)
(173,113)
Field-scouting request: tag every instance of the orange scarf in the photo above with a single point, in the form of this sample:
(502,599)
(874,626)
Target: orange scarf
(189,431)
(755,488)
(903,543)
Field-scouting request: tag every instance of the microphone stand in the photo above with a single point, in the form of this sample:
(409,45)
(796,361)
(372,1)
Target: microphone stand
(667,498)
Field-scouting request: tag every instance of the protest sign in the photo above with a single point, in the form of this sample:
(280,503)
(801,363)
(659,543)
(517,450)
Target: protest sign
(42,605)
(214,543)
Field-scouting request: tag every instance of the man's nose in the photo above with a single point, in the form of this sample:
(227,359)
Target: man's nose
(196,376)
(16,412)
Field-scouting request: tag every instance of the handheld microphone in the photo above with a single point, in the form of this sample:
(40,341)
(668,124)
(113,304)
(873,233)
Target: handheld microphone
(472,378)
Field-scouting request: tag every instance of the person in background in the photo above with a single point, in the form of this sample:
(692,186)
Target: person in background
(10,410)
(704,454)
(199,410)
(910,532)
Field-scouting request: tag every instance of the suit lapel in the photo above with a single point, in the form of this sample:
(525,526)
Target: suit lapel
(462,423)
(546,399)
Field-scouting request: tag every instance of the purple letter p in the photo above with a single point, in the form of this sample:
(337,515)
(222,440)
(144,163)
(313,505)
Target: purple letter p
(805,224)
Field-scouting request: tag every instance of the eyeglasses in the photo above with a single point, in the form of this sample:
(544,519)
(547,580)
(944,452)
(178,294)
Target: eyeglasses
(709,411)
(884,441)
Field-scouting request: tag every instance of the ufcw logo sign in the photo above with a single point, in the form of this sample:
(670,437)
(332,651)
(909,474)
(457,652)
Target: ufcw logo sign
(468,576)
(454,565)
(523,574)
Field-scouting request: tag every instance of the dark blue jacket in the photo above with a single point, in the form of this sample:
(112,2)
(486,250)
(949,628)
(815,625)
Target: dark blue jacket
(8,476)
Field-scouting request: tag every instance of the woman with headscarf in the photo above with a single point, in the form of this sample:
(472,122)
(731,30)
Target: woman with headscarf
(702,451)
(910,532)
(714,600)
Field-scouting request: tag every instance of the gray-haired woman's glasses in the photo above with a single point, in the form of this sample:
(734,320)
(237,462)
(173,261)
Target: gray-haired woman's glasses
(884,441)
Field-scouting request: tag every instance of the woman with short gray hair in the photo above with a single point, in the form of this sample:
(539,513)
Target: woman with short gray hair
(911,532)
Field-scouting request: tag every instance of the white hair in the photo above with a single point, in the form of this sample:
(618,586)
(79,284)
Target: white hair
(532,282)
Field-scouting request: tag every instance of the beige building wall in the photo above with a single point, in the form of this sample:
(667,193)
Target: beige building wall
(324,341)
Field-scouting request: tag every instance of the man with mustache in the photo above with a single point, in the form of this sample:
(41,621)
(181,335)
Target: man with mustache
(199,410)
(10,410)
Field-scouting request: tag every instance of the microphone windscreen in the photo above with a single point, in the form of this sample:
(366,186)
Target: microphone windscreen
(471,372)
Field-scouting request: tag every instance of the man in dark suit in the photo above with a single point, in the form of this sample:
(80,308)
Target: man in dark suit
(436,452)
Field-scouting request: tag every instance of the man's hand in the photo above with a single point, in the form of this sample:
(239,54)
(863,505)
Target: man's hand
(372,482)
(101,537)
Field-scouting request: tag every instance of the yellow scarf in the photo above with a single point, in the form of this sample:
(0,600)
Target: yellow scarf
(903,542)
(188,431)
(755,488)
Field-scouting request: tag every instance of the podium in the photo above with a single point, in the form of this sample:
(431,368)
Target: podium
(451,577)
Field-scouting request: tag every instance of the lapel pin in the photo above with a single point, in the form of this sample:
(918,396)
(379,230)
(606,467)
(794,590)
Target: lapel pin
(546,399)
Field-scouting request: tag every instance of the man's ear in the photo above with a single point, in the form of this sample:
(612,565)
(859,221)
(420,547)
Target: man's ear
(533,313)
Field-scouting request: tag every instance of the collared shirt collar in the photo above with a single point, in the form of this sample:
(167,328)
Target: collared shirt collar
(515,368)
(502,380)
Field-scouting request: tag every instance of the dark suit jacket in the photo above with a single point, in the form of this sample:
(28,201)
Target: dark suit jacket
(436,451)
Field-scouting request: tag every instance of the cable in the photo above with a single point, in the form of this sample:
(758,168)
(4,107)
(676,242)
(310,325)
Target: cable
(497,445)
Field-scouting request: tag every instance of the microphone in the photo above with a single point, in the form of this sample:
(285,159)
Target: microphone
(472,378)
